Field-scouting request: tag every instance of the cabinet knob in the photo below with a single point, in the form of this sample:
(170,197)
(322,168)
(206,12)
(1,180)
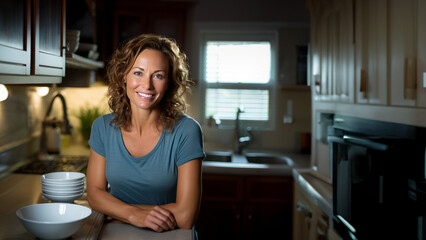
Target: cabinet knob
(237,216)
(67,47)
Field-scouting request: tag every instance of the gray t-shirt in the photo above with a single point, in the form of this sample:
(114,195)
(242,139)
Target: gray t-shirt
(150,179)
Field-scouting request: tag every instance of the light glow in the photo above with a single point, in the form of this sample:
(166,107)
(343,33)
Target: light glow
(3,92)
(42,91)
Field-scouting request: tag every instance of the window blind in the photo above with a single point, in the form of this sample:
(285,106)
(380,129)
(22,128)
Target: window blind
(223,103)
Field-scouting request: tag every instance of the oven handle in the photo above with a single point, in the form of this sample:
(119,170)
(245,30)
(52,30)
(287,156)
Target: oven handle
(359,141)
(366,143)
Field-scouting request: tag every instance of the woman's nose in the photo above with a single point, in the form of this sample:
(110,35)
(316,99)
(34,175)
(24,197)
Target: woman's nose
(146,82)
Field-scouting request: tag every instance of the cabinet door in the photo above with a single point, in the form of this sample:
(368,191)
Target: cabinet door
(403,51)
(219,221)
(268,210)
(371,51)
(332,50)
(421,51)
(15,37)
(220,211)
(49,37)
(302,215)
(267,221)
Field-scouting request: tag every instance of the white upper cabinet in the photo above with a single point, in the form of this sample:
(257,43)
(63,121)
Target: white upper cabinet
(371,51)
(403,52)
(390,52)
(421,54)
(332,50)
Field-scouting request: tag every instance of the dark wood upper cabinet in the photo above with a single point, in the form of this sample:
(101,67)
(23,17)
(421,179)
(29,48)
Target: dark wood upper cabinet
(15,37)
(49,37)
(130,18)
(32,41)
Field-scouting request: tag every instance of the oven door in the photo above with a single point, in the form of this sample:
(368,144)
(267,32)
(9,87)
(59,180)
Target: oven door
(369,187)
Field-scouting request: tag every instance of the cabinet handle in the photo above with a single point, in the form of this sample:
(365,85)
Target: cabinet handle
(410,78)
(302,208)
(363,82)
(321,235)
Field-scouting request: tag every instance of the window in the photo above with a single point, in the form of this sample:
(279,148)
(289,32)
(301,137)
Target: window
(239,72)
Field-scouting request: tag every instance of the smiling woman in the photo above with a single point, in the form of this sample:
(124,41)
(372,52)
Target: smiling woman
(147,150)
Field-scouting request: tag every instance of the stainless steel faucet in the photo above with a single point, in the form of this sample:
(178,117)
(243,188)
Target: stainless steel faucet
(240,141)
(53,122)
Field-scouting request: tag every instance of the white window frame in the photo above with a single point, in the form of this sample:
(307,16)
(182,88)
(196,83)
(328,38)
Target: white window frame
(226,35)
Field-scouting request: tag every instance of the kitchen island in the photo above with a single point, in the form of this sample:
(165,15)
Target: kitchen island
(18,190)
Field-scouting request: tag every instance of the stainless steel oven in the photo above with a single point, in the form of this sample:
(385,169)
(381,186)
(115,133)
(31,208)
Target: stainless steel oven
(378,172)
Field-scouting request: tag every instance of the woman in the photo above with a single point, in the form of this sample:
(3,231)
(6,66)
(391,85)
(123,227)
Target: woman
(147,150)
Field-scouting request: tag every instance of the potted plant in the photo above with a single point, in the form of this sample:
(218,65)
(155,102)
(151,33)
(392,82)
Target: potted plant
(86,116)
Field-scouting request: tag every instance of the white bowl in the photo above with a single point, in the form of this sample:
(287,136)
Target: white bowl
(65,189)
(62,192)
(62,198)
(62,185)
(63,177)
(53,220)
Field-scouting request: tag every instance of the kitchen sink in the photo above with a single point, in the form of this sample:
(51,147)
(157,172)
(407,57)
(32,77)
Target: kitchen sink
(218,156)
(257,157)
(263,158)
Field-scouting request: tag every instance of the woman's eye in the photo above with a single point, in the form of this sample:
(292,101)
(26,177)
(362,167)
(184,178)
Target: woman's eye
(138,73)
(159,76)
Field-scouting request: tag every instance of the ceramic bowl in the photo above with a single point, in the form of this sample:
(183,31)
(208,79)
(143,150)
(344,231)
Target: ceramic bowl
(53,220)
(62,192)
(63,177)
(62,198)
(63,189)
(62,185)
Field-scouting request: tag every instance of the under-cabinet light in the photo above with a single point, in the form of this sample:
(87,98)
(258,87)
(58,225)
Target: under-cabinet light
(3,92)
(42,91)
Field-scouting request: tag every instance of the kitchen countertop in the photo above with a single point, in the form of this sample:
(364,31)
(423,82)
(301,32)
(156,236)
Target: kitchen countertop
(18,190)
(316,188)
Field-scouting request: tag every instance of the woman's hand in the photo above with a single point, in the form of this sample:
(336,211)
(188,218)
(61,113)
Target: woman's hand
(156,218)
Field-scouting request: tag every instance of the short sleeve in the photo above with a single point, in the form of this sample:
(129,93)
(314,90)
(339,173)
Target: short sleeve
(97,136)
(191,144)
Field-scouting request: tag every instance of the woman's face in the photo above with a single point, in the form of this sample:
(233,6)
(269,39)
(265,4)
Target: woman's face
(147,80)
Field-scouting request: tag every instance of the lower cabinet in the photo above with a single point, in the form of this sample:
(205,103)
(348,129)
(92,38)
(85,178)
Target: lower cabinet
(245,207)
(309,221)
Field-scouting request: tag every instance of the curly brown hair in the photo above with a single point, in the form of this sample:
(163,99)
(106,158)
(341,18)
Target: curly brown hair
(173,104)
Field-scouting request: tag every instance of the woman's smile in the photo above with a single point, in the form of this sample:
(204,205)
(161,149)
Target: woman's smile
(145,95)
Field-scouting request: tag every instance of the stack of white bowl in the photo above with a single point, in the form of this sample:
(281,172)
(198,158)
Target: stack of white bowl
(73,40)
(63,186)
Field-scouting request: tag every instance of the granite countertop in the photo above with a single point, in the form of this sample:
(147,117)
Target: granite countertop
(18,190)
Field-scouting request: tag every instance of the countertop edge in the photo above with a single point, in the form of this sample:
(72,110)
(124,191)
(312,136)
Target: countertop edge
(326,205)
